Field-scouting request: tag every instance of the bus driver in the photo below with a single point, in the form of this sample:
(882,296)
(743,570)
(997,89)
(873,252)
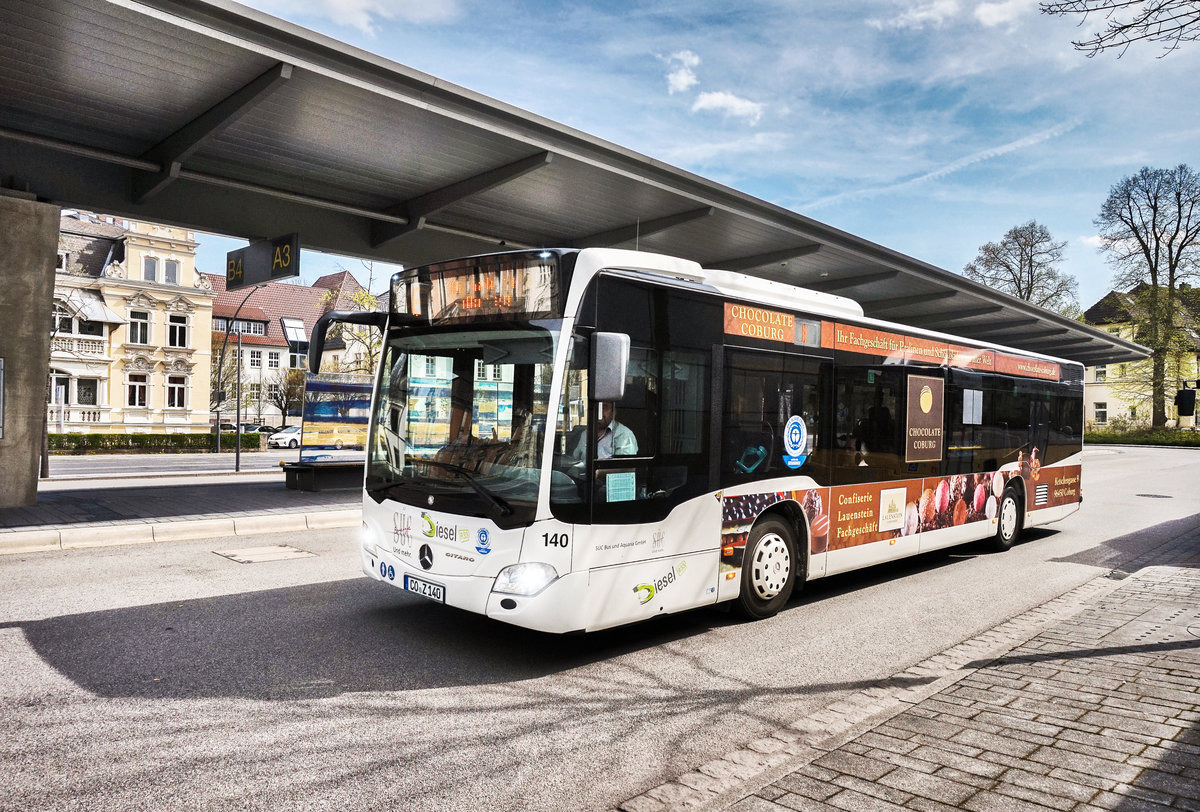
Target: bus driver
(614,438)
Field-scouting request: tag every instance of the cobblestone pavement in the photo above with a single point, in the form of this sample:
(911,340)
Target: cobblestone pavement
(1091,701)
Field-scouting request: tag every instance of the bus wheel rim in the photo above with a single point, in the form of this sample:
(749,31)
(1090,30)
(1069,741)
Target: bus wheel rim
(771,566)
(1008,518)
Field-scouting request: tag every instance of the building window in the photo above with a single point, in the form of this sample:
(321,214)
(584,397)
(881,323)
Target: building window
(61,264)
(60,389)
(176,391)
(273,392)
(297,360)
(1120,370)
(252,391)
(86,390)
(150,269)
(139,327)
(172,272)
(1133,412)
(1101,412)
(256,359)
(430,366)
(139,386)
(272,360)
(247,328)
(497,372)
(1101,373)
(177,331)
(480,371)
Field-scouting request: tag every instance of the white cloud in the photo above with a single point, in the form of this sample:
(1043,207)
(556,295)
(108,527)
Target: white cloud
(682,76)
(952,167)
(363,14)
(1002,12)
(702,152)
(1090,240)
(729,105)
(933,14)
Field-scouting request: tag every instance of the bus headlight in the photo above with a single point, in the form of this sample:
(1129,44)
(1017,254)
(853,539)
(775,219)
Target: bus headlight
(528,578)
(366,539)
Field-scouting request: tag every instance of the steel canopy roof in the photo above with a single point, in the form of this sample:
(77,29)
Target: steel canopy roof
(219,118)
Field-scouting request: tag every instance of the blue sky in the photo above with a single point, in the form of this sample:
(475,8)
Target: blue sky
(930,127)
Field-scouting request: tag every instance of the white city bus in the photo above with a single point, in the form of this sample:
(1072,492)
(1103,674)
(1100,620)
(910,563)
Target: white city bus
(765,435)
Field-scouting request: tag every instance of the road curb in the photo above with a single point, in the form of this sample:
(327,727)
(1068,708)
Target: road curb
(334,518)
(17,542)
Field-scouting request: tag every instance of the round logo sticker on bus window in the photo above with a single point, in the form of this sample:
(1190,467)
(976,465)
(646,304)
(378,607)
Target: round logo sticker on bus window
(795,441)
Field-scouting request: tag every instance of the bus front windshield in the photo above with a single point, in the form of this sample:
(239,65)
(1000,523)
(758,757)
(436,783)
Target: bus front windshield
(460,419)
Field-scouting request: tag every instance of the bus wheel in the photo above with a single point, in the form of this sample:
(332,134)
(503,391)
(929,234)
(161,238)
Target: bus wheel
(768,570)
(1008,524)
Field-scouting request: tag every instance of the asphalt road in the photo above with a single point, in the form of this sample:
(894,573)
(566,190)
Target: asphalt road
(168,677)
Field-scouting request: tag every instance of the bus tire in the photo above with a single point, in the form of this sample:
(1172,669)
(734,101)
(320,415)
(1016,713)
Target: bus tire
(1008,520)
(768,569)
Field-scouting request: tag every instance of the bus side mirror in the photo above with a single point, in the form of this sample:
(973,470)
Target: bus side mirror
(610,363)
(316,343)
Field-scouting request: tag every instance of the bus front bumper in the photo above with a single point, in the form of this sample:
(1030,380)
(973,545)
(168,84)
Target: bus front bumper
(555,609)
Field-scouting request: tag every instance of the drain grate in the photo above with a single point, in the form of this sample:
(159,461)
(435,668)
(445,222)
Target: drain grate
(257,555)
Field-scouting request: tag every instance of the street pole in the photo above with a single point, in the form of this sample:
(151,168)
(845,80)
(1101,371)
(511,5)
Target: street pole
(237,451)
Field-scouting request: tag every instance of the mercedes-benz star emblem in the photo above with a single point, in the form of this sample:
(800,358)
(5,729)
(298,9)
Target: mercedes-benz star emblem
(425,555)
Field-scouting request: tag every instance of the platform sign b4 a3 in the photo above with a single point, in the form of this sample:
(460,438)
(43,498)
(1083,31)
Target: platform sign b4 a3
(263,261)
(923,440)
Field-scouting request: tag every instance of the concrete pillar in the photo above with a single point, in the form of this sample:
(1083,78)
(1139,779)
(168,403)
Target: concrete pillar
(28,247)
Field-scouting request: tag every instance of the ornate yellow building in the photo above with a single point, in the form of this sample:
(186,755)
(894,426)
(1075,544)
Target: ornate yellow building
(131,334)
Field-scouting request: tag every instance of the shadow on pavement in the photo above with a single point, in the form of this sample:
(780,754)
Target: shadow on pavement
(327,639)
(1165,543)
(316,640)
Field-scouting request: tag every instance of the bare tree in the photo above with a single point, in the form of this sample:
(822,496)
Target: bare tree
(223,373)
(1172,22)
(1150,229)
(1024,264)
(285,391)
(363,344)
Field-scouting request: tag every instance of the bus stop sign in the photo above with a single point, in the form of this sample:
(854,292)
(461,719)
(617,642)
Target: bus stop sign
(263,261)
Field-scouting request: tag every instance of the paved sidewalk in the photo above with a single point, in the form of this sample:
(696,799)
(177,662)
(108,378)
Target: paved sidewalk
(145,508)
(1089,702)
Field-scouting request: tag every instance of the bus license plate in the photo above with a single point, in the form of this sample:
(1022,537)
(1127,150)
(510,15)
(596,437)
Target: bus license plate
(428,589)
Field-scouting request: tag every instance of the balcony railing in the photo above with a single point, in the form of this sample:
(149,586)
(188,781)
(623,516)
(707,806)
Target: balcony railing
(73,345)
(74,415)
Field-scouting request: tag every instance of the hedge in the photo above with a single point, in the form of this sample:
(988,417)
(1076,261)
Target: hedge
(1162,436)
(162,443)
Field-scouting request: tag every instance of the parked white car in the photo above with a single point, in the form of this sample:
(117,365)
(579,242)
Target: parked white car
(287,438)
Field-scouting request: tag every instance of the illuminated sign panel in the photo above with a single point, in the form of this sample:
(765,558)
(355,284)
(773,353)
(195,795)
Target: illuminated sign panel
(756,322)
(515,285)
(771,325)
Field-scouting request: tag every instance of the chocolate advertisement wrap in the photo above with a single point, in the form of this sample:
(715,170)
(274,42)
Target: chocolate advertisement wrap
(848,516)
